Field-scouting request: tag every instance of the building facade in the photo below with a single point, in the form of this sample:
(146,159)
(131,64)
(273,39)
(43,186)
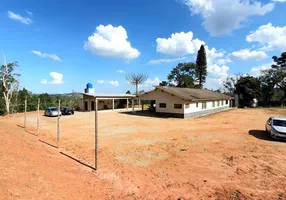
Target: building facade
(185,102)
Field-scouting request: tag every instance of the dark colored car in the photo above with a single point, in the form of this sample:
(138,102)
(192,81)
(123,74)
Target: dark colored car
(67,111)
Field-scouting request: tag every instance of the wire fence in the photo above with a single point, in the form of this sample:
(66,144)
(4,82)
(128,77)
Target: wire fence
(73,140)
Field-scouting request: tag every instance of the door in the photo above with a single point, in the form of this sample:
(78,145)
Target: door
(85,106)
(92,105)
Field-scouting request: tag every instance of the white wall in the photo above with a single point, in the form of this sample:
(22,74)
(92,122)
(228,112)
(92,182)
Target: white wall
(164,97)
(193,108)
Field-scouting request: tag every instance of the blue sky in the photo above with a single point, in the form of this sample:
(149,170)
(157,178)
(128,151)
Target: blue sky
(62,45)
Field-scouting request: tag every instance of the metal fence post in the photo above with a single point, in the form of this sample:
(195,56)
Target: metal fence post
(38,118)
(58,124)
(25,113)
(96,134)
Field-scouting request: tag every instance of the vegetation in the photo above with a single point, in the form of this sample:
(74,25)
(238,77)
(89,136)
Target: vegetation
(201,66)
(8,82)
(184,75)
(248,88)
(136,79)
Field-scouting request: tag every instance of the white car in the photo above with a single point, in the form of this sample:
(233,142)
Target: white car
(276,127)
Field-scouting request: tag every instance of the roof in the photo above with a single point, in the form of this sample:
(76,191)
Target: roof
(279,118)
(191,94)
(110,95)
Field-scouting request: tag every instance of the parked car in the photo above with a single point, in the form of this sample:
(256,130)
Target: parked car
(52,112)
(276,127)
(67,111)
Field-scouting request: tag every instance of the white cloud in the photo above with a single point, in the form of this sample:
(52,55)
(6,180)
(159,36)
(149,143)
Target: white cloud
(17,17)
(216,75)
(223,61)
(120,71)
(281,1)
(223,16)
(57,78)
(160,61)
(256,71)
(44,81)
(246,54)
(46,55)
(113,83)
(270,36)
(179,44)
(29,13)
(101,81)
(155,82)
(109,41)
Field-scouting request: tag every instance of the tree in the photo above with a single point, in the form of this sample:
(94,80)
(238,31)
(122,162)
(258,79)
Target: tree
(184,74)
(268,82)
(136,79)
(128,92)
(229,84)
(163,83)
(8,82)
(201,66)
(280,61)
(248,88)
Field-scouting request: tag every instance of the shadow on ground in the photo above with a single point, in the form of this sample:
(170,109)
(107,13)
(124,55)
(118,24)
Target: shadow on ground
(34,134)
(262,135)
(145,113)
(78,161)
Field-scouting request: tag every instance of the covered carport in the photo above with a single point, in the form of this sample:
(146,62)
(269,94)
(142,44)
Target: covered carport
(106,101)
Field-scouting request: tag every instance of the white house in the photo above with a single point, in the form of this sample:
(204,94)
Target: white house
(185,102)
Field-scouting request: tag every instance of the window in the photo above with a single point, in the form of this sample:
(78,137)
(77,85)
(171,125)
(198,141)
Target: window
(217,103)
(178,106)
(187,106)
(204,105)
(213,104)
(197,105)
(162,105)
(226,101)
(277,122)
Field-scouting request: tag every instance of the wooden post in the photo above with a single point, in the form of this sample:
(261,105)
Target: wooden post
(113,104)
(38,118)
(127,104)
(139,103)
(133,105)
(142,106)
(95,134)
(25,113)
(58,124)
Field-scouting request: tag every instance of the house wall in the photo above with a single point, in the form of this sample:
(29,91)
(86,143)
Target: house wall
(194,110)
(164,97)
(102,103)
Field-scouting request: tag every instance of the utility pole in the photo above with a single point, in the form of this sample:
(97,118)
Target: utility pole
(58,126)
(96,134)
(25,113)
(38,117)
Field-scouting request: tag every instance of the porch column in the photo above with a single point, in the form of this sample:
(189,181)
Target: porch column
(138,103)
(113,104)
(127,104)
(133,105)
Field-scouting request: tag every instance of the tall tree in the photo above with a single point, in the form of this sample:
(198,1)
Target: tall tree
(184,75)
(268,82)
(128,92)
(201,66)
(136,79)
(248,88)
(229,84)
(8,82)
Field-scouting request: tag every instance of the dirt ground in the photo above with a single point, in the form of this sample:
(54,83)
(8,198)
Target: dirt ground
(226,155)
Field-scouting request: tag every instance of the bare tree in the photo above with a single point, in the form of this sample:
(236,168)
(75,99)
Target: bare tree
(8,82)
(136,79)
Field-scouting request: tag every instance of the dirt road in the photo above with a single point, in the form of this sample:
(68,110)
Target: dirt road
(222,156)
